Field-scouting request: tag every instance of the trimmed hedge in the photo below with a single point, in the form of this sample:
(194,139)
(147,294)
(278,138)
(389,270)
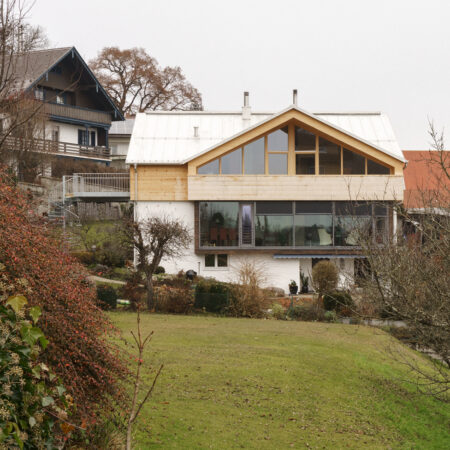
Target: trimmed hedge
(213,296)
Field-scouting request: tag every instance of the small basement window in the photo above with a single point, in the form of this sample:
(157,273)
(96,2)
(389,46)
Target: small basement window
(220,260)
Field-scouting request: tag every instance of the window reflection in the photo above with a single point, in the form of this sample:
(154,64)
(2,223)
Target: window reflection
(219,224)
(278,140)
(211,168)
(278,163)
(329,158)
(273,231)
(313,230)
(354,164)
(232,163)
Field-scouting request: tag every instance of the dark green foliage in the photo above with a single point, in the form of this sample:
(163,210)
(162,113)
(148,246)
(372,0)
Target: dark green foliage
(339,301)
(160,269)
(107,296)
(85,258)
(31,399)
(309,312)
(213,296)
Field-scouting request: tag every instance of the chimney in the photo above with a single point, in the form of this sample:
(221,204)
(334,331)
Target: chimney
(196,131)
(294,97)
(246,110)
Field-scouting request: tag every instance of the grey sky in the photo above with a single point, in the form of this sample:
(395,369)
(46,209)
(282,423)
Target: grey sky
(342,55)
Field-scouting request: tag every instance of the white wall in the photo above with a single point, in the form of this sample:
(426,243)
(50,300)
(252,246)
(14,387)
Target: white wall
(279,271)
(67,132)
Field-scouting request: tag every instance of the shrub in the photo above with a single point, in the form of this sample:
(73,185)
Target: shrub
(30,397)
(85,258)
(339,301)
(278,312)
(330,316)
(80,351)
(107,296)
(173,300)
(324,277)
(159,270)
(309,312)
(212,296)
(134,290)
(248,299)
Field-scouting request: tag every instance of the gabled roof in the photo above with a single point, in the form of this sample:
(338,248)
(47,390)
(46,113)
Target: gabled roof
(29,68)
(124,128)
(161,137)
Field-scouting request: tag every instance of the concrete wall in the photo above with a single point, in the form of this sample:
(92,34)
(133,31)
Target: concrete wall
(279,271)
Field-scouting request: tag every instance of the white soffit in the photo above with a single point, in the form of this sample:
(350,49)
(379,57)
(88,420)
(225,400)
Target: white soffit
(161,137)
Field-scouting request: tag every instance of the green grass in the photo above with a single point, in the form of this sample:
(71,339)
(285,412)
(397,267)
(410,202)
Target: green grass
(266,384)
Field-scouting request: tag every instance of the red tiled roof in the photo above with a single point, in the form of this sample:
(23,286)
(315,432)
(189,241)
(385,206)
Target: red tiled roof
(425,179)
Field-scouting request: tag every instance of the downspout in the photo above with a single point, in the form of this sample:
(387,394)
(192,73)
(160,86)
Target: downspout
(135,191)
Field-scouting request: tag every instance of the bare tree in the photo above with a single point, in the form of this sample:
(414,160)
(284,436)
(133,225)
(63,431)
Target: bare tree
(21,118)
(153,239)
(137,83)
(408,276)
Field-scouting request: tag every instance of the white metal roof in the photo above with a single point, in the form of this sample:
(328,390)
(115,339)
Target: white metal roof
(124,127)
(161,137)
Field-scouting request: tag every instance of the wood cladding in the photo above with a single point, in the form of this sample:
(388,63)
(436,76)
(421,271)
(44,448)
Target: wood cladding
(165,183)
(298,187)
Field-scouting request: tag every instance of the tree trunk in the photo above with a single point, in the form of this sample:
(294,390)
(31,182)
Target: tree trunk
(150,292)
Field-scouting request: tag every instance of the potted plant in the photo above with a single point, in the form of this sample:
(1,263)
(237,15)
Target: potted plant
(305,283)
(293,288)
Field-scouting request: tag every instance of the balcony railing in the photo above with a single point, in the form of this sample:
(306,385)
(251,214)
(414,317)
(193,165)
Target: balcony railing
(58,148)
(78,113)
(97,185)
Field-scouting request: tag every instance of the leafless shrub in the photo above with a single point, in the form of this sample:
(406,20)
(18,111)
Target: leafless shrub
(249,299)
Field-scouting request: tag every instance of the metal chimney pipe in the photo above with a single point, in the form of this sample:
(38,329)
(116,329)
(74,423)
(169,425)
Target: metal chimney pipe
(246,110)
(246,99)
(294,97)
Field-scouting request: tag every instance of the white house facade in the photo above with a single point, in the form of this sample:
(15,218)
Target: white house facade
(284,190)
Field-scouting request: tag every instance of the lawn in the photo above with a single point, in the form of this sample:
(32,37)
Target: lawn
(242,383)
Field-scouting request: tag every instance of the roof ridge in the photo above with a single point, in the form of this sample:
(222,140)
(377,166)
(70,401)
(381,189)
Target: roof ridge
(46,50)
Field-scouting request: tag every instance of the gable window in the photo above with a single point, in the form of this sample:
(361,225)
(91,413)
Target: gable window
(374,168)
(310,154)
(353,164)
(231,163)
(329,158)
(254,157)
(211,168)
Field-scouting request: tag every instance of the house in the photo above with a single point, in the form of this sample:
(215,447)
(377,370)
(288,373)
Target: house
(119,139)
(76,109)
(276,188)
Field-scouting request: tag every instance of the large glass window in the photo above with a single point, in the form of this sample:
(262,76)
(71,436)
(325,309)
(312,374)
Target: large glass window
(354,164)
(305,164)
(279,224)
(304,140)
(374,168)
(278,140)
(211,168)
(232,163)
(273,231)
(329,158)
(219,224)
(278,163)
(348,230)
(254,157)
(313,230)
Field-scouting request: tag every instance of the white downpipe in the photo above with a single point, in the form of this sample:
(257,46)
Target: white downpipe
(394,224)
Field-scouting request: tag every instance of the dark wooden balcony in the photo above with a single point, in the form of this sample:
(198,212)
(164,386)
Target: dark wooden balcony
(77,113)
(58,148)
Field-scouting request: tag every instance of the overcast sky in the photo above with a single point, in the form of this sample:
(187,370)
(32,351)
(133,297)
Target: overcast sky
(341,55)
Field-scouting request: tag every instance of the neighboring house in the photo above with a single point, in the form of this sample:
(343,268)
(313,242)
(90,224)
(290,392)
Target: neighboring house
(77,109)
(273,188)
(119,139)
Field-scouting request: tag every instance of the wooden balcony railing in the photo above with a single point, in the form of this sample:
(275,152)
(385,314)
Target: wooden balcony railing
(78,113)
(57,148)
